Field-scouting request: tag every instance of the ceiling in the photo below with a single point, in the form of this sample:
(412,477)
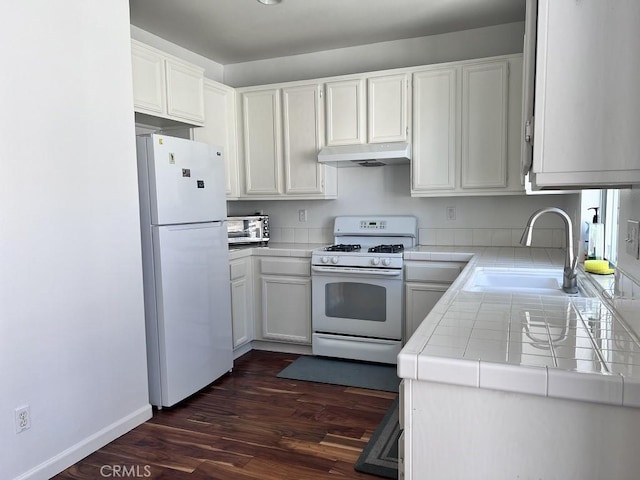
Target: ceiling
(234,31)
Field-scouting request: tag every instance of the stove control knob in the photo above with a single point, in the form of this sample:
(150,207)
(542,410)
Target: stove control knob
(334,260)
(375,261)
(324,259)
(386,262)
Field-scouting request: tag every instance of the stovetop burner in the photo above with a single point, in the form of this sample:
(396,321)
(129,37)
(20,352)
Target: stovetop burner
(343,248)
(397,248)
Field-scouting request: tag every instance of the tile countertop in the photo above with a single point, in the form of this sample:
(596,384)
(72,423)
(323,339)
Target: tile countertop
(557,346)
(274,249)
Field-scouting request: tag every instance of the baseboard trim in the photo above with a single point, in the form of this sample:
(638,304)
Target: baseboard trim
(80,450)
(281,347)
(241,350)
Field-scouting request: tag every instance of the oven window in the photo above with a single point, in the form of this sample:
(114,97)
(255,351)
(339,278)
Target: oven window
(360,301)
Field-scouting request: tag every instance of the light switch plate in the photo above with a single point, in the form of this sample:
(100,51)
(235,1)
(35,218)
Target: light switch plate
(633,238)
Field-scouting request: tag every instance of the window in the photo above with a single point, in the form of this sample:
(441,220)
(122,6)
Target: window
(608,202)
(611,208)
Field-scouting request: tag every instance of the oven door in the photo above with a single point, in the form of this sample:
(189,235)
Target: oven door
(360,302)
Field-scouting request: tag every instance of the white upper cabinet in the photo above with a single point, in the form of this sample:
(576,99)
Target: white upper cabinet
(435,99)
(587,111)
(262,140)
(166,87)
(302,128)
(387,106)
(346,112)
(185,91)
(484,125)
(220,129)
(378,115)
(149,87)
(282,132)
(466,128)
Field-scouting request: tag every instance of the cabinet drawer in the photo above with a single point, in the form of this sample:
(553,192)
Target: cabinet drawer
(440,272)
(238,269)
(285,266)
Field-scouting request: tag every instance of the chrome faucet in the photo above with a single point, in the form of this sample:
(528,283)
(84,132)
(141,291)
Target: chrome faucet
(569,277)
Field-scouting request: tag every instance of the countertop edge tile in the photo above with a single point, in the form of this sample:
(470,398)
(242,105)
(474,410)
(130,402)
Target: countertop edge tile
(512,378)
(587,387)
(449,370)
(630,392)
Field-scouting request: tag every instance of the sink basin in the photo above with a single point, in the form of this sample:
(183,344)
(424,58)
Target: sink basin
(516,280)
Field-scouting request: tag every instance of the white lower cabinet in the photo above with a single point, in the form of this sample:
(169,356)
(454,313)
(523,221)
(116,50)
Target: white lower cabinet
(241,301)
(419,300)
(425,283)
(283,299)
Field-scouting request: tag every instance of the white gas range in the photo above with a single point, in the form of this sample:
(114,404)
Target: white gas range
(357,288)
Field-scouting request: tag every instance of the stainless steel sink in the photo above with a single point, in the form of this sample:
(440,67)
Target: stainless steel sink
(517,280)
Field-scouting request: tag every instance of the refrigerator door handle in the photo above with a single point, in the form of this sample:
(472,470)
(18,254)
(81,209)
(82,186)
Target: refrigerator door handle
(194,226)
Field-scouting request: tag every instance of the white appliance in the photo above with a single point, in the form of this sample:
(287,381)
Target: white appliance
(357,288)
(185,265)
(366,155)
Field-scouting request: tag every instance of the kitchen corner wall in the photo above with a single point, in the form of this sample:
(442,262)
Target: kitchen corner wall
(480,221)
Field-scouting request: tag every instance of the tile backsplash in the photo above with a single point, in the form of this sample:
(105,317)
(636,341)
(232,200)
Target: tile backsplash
(490,237)
(301,235)
(477,237)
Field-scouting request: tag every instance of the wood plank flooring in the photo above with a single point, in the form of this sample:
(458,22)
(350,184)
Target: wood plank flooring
(248,425)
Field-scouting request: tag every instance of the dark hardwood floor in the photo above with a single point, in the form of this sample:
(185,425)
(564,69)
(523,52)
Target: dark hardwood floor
(248,425)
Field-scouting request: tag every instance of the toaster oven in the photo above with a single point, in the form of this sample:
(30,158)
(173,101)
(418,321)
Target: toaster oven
(249,229)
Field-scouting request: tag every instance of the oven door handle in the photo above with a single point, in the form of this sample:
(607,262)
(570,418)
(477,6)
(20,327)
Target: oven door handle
(357,271)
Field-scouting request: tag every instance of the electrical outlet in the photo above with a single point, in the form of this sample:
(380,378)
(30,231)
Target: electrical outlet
(23,418)
(633,238)
(451,213)
(302,215)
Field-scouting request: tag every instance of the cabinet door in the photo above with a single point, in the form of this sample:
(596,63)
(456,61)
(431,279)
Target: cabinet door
(185,91)
(262,139)
(220,129)
(484,125)
(420,299)
(387,108)
(241,300)
(434,130)
(286,308)
(587,111)
(302,124)
(149,88)
(346,111)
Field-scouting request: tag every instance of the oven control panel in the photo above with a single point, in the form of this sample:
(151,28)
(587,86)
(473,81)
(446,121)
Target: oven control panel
(373,224)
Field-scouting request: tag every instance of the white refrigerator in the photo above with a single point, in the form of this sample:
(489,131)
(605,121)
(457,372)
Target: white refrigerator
(185,266)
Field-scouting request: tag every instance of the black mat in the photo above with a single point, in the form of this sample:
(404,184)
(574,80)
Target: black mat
(349,373)
(380,456)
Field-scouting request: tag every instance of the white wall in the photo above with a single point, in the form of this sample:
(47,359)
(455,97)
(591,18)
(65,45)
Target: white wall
(449,47)
(212,70)
(386,191)
(72,342)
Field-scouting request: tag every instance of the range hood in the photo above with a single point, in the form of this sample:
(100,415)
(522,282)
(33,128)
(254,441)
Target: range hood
(367,155)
